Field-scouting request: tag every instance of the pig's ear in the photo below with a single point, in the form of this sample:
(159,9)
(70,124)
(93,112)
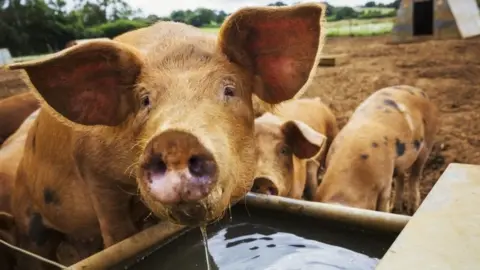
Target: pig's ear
(280,45)
(89,84)
(304,140)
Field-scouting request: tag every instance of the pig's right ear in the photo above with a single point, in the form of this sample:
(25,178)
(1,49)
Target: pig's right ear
(89,84)
(280,45)
(306,142)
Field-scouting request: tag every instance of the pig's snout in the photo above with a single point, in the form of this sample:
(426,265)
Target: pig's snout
(178,168)
(264,186)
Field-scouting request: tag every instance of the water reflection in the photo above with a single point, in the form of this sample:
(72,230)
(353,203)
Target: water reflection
(271,240)
(252,246)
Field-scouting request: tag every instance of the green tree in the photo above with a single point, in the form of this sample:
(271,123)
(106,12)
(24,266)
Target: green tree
(396,4)
(342,13)
(278,4)
(221,15)
(330,9)
(178,16)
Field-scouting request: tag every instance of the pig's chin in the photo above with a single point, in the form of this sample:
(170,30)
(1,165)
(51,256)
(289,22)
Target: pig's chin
(192,213)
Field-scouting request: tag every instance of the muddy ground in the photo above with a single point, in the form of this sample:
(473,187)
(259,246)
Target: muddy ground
(11,83)
(449,71)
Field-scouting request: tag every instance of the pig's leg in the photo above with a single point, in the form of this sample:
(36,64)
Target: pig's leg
(312,180)
(383,202)
(73,250)
(111,202)
(111,206)
(414,180)
(39,239)
(399,189)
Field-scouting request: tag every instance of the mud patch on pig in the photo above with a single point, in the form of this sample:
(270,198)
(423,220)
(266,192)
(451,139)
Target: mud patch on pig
(50,196)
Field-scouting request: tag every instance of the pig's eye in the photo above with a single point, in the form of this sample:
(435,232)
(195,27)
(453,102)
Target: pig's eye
(145,101)
(229,91)
(285,150)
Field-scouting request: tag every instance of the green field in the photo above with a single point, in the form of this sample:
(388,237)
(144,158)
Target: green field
(353,27)
(373,9)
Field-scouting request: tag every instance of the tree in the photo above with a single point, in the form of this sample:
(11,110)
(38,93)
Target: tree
(178,16)
(221,15)
(278,4)
(204,16)
(396,4)
(345,13)
(330,9)
(370,4)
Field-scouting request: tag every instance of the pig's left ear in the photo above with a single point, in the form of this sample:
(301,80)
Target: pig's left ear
(90,83)
(304,140)
(280,45)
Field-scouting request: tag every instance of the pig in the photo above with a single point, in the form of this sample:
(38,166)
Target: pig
(165,110)
(10,155)
(390,133)
(291,144)
(11,152)
(13,111)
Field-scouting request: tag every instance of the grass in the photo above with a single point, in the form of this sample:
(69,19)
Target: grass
(373,9)
(360,27)
(27,58)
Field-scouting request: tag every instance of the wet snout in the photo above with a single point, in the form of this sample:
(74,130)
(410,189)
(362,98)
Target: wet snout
(178,168)
(264,185)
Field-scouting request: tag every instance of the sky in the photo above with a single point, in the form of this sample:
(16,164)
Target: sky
(165,7)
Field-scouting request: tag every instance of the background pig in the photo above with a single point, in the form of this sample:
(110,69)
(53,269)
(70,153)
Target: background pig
(166,109)
(13,111)
(391,132)
(291,145)
(11,152)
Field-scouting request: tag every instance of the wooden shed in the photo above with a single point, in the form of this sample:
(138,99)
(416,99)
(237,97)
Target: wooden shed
(80,41)
(436,19)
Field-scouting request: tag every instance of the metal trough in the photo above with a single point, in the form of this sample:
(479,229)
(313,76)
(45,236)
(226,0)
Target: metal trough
(315,217)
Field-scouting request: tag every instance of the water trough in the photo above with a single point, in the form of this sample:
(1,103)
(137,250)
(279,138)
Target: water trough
(262,232)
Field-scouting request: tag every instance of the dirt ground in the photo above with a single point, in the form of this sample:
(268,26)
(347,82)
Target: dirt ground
(11,83)
(449,71)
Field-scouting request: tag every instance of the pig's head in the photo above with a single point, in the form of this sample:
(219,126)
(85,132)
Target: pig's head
(278,143)
(188,109)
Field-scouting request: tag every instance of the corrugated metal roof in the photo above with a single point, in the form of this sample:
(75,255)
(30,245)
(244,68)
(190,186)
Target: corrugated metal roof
(467,16)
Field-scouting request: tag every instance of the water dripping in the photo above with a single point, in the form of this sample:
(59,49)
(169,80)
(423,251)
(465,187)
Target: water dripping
(203,230)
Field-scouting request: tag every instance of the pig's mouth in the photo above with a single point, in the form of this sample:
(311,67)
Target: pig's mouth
(191,214)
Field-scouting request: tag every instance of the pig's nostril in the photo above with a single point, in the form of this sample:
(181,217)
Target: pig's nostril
(272,191)
(157,165)
(265,186)
(201,166)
